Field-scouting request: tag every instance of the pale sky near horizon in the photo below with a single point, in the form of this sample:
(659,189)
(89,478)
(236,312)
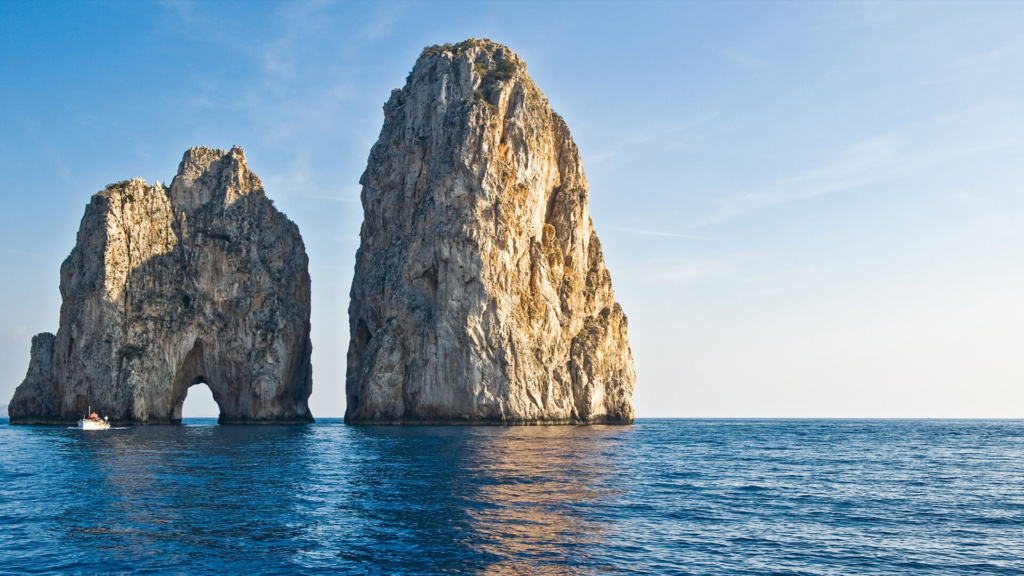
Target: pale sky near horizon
(809,209)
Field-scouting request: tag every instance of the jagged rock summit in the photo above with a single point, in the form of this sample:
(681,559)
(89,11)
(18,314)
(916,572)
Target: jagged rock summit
(480,292)
(204,281)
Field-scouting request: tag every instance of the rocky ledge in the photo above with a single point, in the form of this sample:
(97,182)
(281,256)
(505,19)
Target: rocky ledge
(480,292)
(167,287)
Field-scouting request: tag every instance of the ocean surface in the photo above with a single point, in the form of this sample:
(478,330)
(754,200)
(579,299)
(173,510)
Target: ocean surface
(732,497)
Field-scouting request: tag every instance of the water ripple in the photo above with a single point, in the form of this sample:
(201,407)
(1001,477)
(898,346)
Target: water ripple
(663,496)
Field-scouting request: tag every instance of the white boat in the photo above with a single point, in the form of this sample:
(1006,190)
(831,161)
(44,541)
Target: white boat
(93,422)
(90,424)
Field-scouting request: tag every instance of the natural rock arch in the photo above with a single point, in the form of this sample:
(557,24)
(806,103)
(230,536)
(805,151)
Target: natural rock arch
(203,279)
(192,372)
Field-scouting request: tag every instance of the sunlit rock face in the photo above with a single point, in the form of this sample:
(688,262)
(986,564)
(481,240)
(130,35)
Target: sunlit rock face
(204,281)
(480,292)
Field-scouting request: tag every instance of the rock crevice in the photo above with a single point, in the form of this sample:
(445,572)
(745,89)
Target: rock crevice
(203,281)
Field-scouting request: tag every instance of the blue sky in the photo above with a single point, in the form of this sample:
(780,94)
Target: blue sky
(808,209)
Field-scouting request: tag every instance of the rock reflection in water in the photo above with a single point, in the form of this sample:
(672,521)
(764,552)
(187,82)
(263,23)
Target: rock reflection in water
(199,495)
(490,500)
(533,481)
(389,499)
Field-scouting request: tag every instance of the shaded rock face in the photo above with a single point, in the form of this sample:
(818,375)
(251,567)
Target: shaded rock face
(204,281)
(480,291)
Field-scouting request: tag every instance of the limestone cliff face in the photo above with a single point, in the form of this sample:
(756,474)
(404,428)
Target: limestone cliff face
(204,281)
(480,290)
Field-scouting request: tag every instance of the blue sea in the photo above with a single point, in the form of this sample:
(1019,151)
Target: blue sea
(855,497)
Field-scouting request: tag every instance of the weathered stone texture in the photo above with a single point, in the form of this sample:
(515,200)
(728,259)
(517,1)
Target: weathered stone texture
(204,281)
(480,291)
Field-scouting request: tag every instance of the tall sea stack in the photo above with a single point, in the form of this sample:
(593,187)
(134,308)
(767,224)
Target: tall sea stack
(480,292)
(204,281)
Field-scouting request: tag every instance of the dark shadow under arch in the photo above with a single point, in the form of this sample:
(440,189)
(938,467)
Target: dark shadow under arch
(191,372)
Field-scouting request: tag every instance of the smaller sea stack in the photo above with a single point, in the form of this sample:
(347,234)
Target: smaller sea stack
(167,287)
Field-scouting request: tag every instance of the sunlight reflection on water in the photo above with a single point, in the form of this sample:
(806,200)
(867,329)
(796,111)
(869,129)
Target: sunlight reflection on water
(663,496)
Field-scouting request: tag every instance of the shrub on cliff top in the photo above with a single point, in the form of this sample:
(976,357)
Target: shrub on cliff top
(506,69)
(120,185)
(456,49)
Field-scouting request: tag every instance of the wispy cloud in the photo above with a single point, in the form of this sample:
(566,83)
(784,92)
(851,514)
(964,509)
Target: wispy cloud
(43,140)
(661,234)
(1009,51)
(858,165)
(382,23)
(862,164)
(643,137)
(302,23)
(913,152)
(684,270)
(21,252)
(185,10)
(694,269)
(750,62)
(298,180)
